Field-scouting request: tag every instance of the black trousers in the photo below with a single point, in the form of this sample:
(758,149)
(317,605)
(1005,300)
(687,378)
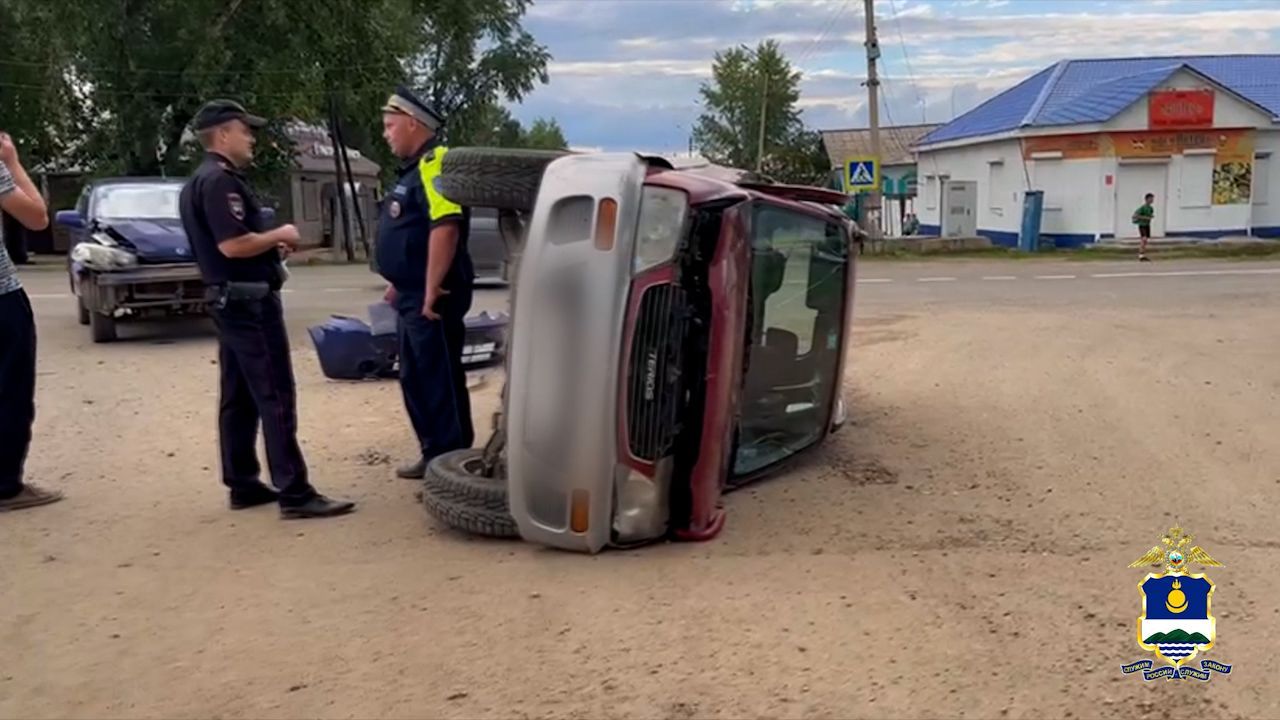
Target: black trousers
(258,387)
(17,388)
(432,379)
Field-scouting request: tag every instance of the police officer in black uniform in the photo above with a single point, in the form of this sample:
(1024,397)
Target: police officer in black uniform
(239,260)
(422,252)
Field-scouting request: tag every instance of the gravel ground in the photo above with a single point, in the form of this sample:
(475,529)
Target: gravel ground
(1005,462)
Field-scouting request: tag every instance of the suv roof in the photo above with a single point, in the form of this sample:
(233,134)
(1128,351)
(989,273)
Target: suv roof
(703,189)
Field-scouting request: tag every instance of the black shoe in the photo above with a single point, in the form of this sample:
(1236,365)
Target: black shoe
(1143,258)
(317,507)
(413,471)
(252,496)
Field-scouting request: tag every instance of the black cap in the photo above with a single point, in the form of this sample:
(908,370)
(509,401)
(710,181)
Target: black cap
(405,102)
(217,112)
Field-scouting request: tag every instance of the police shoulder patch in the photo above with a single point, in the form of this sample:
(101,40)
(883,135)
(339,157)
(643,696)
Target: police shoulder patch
(394,209)
(235,203)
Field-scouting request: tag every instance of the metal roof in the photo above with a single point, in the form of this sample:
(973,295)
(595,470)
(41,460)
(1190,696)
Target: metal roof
(895,143)
(1094,91)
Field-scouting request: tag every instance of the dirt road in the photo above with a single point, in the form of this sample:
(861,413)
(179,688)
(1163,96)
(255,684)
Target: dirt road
(959,550)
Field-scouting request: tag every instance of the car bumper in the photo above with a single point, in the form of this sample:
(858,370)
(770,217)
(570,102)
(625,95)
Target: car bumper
(570,304)
(183,273)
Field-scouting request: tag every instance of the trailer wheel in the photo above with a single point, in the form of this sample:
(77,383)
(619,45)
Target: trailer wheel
(457,494)
(503,178)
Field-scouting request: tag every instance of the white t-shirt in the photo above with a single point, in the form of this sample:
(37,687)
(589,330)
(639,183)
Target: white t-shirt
(8,273)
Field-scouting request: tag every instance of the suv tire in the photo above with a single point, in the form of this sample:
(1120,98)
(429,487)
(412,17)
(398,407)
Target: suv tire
(457,494)
(502,178)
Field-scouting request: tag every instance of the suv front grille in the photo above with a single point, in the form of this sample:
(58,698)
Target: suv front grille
(653,382)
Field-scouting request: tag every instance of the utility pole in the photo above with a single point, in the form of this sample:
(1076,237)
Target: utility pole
(871,218)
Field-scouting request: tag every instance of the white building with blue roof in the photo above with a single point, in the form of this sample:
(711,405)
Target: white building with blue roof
(1095,136)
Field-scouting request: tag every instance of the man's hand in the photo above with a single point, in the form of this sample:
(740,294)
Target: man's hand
(8,151)
(389,297)
(428,308)
(287,235)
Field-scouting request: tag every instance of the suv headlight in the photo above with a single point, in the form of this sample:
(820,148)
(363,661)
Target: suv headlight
(664,212)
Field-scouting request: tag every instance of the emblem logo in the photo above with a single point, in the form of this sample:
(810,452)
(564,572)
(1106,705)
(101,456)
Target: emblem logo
(1176,623)
(236,204)
(394,209)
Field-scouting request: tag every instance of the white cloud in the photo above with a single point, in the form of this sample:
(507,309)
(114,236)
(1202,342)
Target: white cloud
(675,68)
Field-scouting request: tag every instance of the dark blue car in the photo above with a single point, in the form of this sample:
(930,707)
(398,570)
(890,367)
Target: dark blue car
(129,256)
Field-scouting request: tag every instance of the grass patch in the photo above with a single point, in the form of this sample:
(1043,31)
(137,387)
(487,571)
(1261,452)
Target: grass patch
(1228,251)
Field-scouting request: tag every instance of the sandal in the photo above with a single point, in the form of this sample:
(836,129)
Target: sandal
(31,496)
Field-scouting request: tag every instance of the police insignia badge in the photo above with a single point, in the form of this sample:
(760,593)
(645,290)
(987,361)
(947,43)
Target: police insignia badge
(236,204)
(394,209)
(1176,623)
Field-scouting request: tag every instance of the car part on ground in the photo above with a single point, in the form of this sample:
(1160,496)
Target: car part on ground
(457,493)
(349,348)
(502,178)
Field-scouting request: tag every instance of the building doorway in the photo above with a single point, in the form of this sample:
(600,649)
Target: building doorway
(959,208)
(1133,182)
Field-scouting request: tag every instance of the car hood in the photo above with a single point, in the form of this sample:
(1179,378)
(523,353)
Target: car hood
(153,241)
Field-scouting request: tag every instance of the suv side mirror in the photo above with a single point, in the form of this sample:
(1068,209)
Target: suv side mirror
(69,219)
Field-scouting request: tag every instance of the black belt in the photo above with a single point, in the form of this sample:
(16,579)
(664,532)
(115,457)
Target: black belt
(236,291)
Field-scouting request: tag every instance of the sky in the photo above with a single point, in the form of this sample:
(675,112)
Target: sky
(625,74)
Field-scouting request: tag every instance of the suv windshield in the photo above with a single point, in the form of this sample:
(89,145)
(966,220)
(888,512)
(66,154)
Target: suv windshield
(138,201)
(798,268)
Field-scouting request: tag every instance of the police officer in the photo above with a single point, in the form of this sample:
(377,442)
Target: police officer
(422,253)
(239,260)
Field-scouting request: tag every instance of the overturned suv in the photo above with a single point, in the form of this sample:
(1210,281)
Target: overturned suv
(673,336)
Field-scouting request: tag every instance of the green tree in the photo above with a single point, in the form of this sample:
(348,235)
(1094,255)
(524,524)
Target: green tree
(545,135)
(115,87)
(475,55)
(34,90)
(491,125)
(749,88)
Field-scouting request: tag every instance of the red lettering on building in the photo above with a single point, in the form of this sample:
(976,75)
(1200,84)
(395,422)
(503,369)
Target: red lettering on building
(1169,109)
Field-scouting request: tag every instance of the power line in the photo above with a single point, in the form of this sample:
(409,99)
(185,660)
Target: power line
(826,30)
(192,95)
(299,70)
(902,42)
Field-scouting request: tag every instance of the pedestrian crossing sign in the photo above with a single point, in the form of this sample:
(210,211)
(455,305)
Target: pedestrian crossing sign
(861,173)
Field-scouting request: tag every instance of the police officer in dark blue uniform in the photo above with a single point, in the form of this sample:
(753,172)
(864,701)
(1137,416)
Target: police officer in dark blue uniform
(422,252)
(239,260)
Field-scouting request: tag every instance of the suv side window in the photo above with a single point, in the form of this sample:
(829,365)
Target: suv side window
(798,270)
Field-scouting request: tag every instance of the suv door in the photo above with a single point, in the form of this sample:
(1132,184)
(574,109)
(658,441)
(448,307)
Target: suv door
(799,267)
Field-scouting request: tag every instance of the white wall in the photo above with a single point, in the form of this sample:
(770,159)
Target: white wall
(1266,210)
(999,206)
(1072,203)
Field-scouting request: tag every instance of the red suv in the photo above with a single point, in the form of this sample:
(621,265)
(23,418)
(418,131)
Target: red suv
(673,336)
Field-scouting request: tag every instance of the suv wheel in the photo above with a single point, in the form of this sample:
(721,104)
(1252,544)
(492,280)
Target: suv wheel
(457,493)
(503,178)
